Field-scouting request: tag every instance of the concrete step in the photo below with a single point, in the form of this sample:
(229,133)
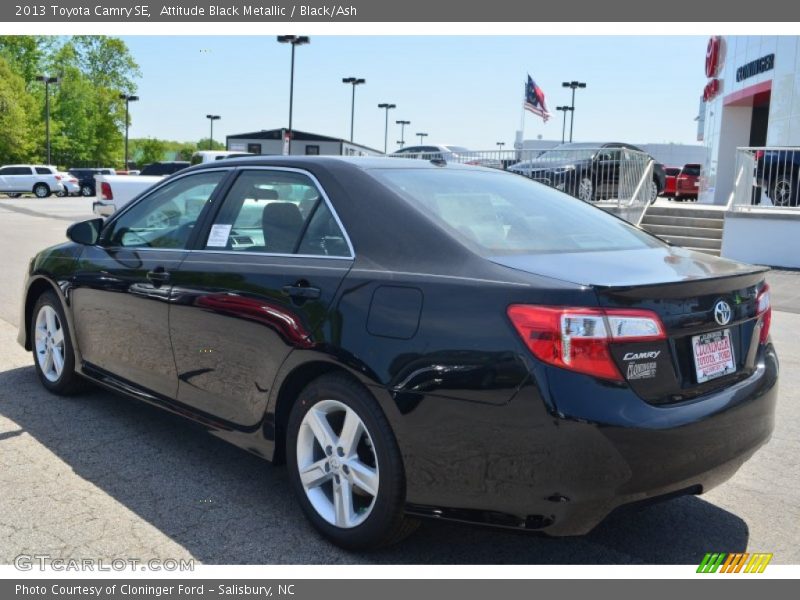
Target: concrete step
(682,221)
(690,210)
(712,233)
(692,242)
(711,251)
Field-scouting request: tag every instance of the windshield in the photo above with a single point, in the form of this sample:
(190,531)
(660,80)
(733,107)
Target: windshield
(501,213)
(569,152)
(458,149)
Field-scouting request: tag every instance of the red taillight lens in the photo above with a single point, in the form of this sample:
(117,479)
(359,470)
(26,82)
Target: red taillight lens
(759,154)
(578,339)
(105,191)
(58,177)
(764,308)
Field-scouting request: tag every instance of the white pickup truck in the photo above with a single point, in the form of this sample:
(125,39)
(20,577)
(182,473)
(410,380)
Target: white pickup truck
(115,191)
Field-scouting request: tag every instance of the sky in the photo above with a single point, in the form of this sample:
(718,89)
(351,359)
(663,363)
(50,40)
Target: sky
(462,90)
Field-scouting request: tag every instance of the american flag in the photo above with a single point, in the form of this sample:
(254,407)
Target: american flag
(534,100)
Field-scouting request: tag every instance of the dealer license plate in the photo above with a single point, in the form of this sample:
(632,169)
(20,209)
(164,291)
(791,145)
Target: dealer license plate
(713,355)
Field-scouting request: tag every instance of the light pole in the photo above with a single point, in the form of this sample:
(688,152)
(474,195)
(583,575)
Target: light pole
(128,99)
(402,131)
(574,85)
(564,109)
(211,119)
(421,135)
(388,107)
(354,81)
(500,145)
(294,40)
(47,81)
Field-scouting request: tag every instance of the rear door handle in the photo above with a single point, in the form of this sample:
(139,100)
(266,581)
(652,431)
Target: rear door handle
(302,291)
(158,276)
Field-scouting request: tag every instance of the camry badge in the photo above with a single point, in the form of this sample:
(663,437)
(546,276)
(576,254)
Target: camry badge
(722,312)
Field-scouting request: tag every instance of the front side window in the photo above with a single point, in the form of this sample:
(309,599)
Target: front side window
(277,212)
(165,218)
(500,213)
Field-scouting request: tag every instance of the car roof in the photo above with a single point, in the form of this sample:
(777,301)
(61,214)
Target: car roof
(360,162)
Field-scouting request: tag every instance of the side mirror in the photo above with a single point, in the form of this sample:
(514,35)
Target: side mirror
(85,232)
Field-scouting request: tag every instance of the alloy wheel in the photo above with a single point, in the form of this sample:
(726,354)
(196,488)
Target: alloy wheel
(86,191)
(782,193)
(337,464)
(586,190)
(49,341)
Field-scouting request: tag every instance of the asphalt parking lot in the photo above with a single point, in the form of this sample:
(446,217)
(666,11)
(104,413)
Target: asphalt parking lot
(101,476)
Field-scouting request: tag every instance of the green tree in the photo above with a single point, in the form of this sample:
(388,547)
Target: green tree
(17,142)
(150,150)
(202,144)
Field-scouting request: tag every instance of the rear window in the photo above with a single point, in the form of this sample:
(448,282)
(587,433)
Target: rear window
(693,170)
(672,171)
(501,213)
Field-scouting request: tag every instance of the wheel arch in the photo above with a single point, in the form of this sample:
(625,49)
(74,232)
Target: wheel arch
(290,387)
(37,287)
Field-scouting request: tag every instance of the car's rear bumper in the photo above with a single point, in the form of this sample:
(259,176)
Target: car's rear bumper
(103,208)
(569,473)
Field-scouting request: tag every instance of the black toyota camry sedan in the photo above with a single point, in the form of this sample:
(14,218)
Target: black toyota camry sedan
(415,339)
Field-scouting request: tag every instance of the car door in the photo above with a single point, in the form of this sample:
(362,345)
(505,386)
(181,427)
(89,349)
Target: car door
(18,179)
(257,286)
(121,293)
(606,169)
(5,184)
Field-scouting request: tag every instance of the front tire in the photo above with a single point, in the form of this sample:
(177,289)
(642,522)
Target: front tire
(652,191)
(345,466)
(53,354)
(41,190)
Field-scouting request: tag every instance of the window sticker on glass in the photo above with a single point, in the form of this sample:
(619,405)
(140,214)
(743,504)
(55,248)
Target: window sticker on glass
(218,238)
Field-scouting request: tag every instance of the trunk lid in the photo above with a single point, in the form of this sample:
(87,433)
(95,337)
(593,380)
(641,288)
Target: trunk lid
(685,289)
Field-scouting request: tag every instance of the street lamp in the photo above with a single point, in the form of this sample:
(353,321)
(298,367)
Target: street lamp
(402,130)
(388,107)
(354,81)
(500,145)
(564,109)
(47,81)
(211,119)
(128,99)
(294,40)
(421,135)
(574,85)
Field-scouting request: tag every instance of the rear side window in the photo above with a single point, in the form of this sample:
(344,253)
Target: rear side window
(43,171)
(500,213)
(692,170)
(277,212)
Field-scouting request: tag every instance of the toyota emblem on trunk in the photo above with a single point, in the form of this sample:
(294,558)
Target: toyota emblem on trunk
(722,312)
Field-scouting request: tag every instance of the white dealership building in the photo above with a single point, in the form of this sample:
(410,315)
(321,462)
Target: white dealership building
(751,99)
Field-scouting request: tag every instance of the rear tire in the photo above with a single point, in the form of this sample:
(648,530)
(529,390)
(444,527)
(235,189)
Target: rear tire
(41,190)
(784,191)
(53,354)
(351,487)
(87,191)
(13,195)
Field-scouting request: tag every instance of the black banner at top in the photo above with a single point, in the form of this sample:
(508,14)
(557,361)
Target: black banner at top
(464,11)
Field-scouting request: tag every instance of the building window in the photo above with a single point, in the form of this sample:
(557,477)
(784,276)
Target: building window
(312,150)
(254,148)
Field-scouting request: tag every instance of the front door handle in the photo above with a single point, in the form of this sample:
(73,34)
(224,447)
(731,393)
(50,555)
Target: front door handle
(158,276)
(305,292)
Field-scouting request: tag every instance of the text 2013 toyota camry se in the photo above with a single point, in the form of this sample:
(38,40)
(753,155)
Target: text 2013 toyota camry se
(416,339)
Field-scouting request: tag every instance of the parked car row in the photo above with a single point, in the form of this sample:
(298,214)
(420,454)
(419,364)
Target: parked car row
(594,171)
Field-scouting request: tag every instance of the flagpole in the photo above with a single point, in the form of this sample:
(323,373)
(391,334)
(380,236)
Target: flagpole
(522,126)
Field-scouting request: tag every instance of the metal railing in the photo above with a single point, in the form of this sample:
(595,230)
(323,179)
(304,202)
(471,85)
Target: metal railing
(618,179)
(766,177)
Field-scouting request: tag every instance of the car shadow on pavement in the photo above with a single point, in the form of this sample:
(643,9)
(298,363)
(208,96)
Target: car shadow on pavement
(225,506)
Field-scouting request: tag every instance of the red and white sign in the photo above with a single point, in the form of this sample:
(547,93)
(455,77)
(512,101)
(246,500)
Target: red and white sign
(714,53)
(713,355)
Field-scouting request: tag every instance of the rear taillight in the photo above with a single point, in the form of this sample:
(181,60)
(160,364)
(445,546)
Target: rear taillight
(105,191)
(764,310)
(579,339)
(759,154)
(58,177)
